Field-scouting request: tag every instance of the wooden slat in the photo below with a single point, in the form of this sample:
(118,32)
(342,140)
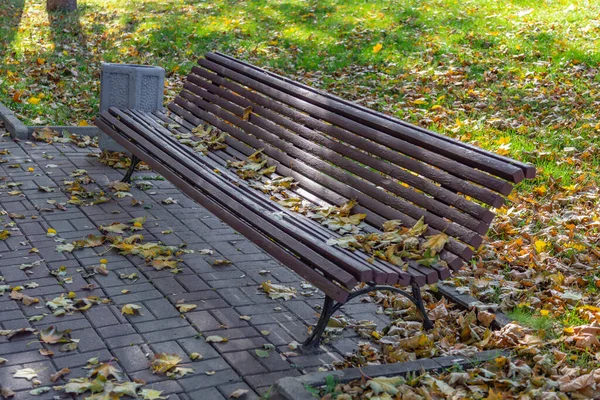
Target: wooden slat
(348,191)
(313,184)
(403,278)
(360,271)
(528,169)
(260,128)
(237,93)
(254,235)
(203,180)
(234,183)
(318,144)
(463,155)
(334,173)
(422,154)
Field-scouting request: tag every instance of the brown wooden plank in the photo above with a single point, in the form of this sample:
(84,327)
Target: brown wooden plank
(318,144)
(309,227)
(203,180)
(528,169)
(394,275)
(420,153)
(384,210)
(311,184)
(468,236)
(236,93)
(275,250)
(175,148)
(243,150)
(461,154)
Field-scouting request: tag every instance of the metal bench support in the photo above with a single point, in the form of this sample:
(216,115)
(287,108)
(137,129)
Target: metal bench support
(134,162)
(330,307)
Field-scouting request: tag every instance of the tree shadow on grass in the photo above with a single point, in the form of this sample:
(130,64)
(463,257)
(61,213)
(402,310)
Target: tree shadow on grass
(11,12)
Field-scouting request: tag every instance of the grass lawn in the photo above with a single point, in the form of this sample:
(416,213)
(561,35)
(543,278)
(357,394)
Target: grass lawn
(516,77)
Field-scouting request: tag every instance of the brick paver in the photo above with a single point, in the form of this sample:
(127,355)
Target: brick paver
(222,293)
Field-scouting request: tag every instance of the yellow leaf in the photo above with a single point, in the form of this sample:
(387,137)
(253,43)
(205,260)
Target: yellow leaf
(377,48)
(544,313)
(130,309)
(33,100)
(435,243)
(540,246)
(83,123)
(183,308)
(493,395)
(540,190)
(569,330)
(41,61)
(247,112)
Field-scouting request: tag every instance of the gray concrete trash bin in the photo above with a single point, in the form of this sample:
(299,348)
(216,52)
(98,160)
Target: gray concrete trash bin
(129,86)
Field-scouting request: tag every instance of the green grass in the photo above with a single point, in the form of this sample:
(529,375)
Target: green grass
(478,70)
(526,318)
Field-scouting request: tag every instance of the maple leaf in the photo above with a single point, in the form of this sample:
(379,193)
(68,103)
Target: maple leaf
(59,374)
(123,388)
(77,385)
(163,262)
(67,247)
(276,291)
(151,394)
(115,227)
(216,339)
(183,308)
(236,394)
(131,309)
(385,385)
(52,335)
(106,370)
(435,243)
(90,241)
(119,186)
(25,373)
(163,362)
(6,393)
(26,300)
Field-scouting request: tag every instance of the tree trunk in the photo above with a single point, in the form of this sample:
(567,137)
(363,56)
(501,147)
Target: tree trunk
(61,5)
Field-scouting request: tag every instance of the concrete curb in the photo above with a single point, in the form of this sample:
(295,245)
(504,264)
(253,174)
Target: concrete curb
(294,388)
(13,125)
(468,302)
(19,130)
(91,131)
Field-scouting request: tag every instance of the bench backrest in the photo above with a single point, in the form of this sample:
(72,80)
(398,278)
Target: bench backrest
(339,151)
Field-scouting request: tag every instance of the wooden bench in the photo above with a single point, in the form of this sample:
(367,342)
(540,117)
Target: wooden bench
(336,151)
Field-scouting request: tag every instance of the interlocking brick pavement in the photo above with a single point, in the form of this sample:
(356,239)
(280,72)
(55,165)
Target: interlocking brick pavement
(222,293)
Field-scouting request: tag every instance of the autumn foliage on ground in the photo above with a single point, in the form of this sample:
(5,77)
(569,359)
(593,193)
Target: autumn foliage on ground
(519,78)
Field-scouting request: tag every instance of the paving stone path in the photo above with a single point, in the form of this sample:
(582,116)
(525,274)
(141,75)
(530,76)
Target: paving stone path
(222,293)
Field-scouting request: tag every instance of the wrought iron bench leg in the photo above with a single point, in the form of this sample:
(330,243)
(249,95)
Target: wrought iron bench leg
(134,162)
(330,307)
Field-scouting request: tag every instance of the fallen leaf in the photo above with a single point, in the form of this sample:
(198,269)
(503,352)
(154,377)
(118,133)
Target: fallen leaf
(25,373)
(236,394)
(59,374)
(131,309)
(216,339)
